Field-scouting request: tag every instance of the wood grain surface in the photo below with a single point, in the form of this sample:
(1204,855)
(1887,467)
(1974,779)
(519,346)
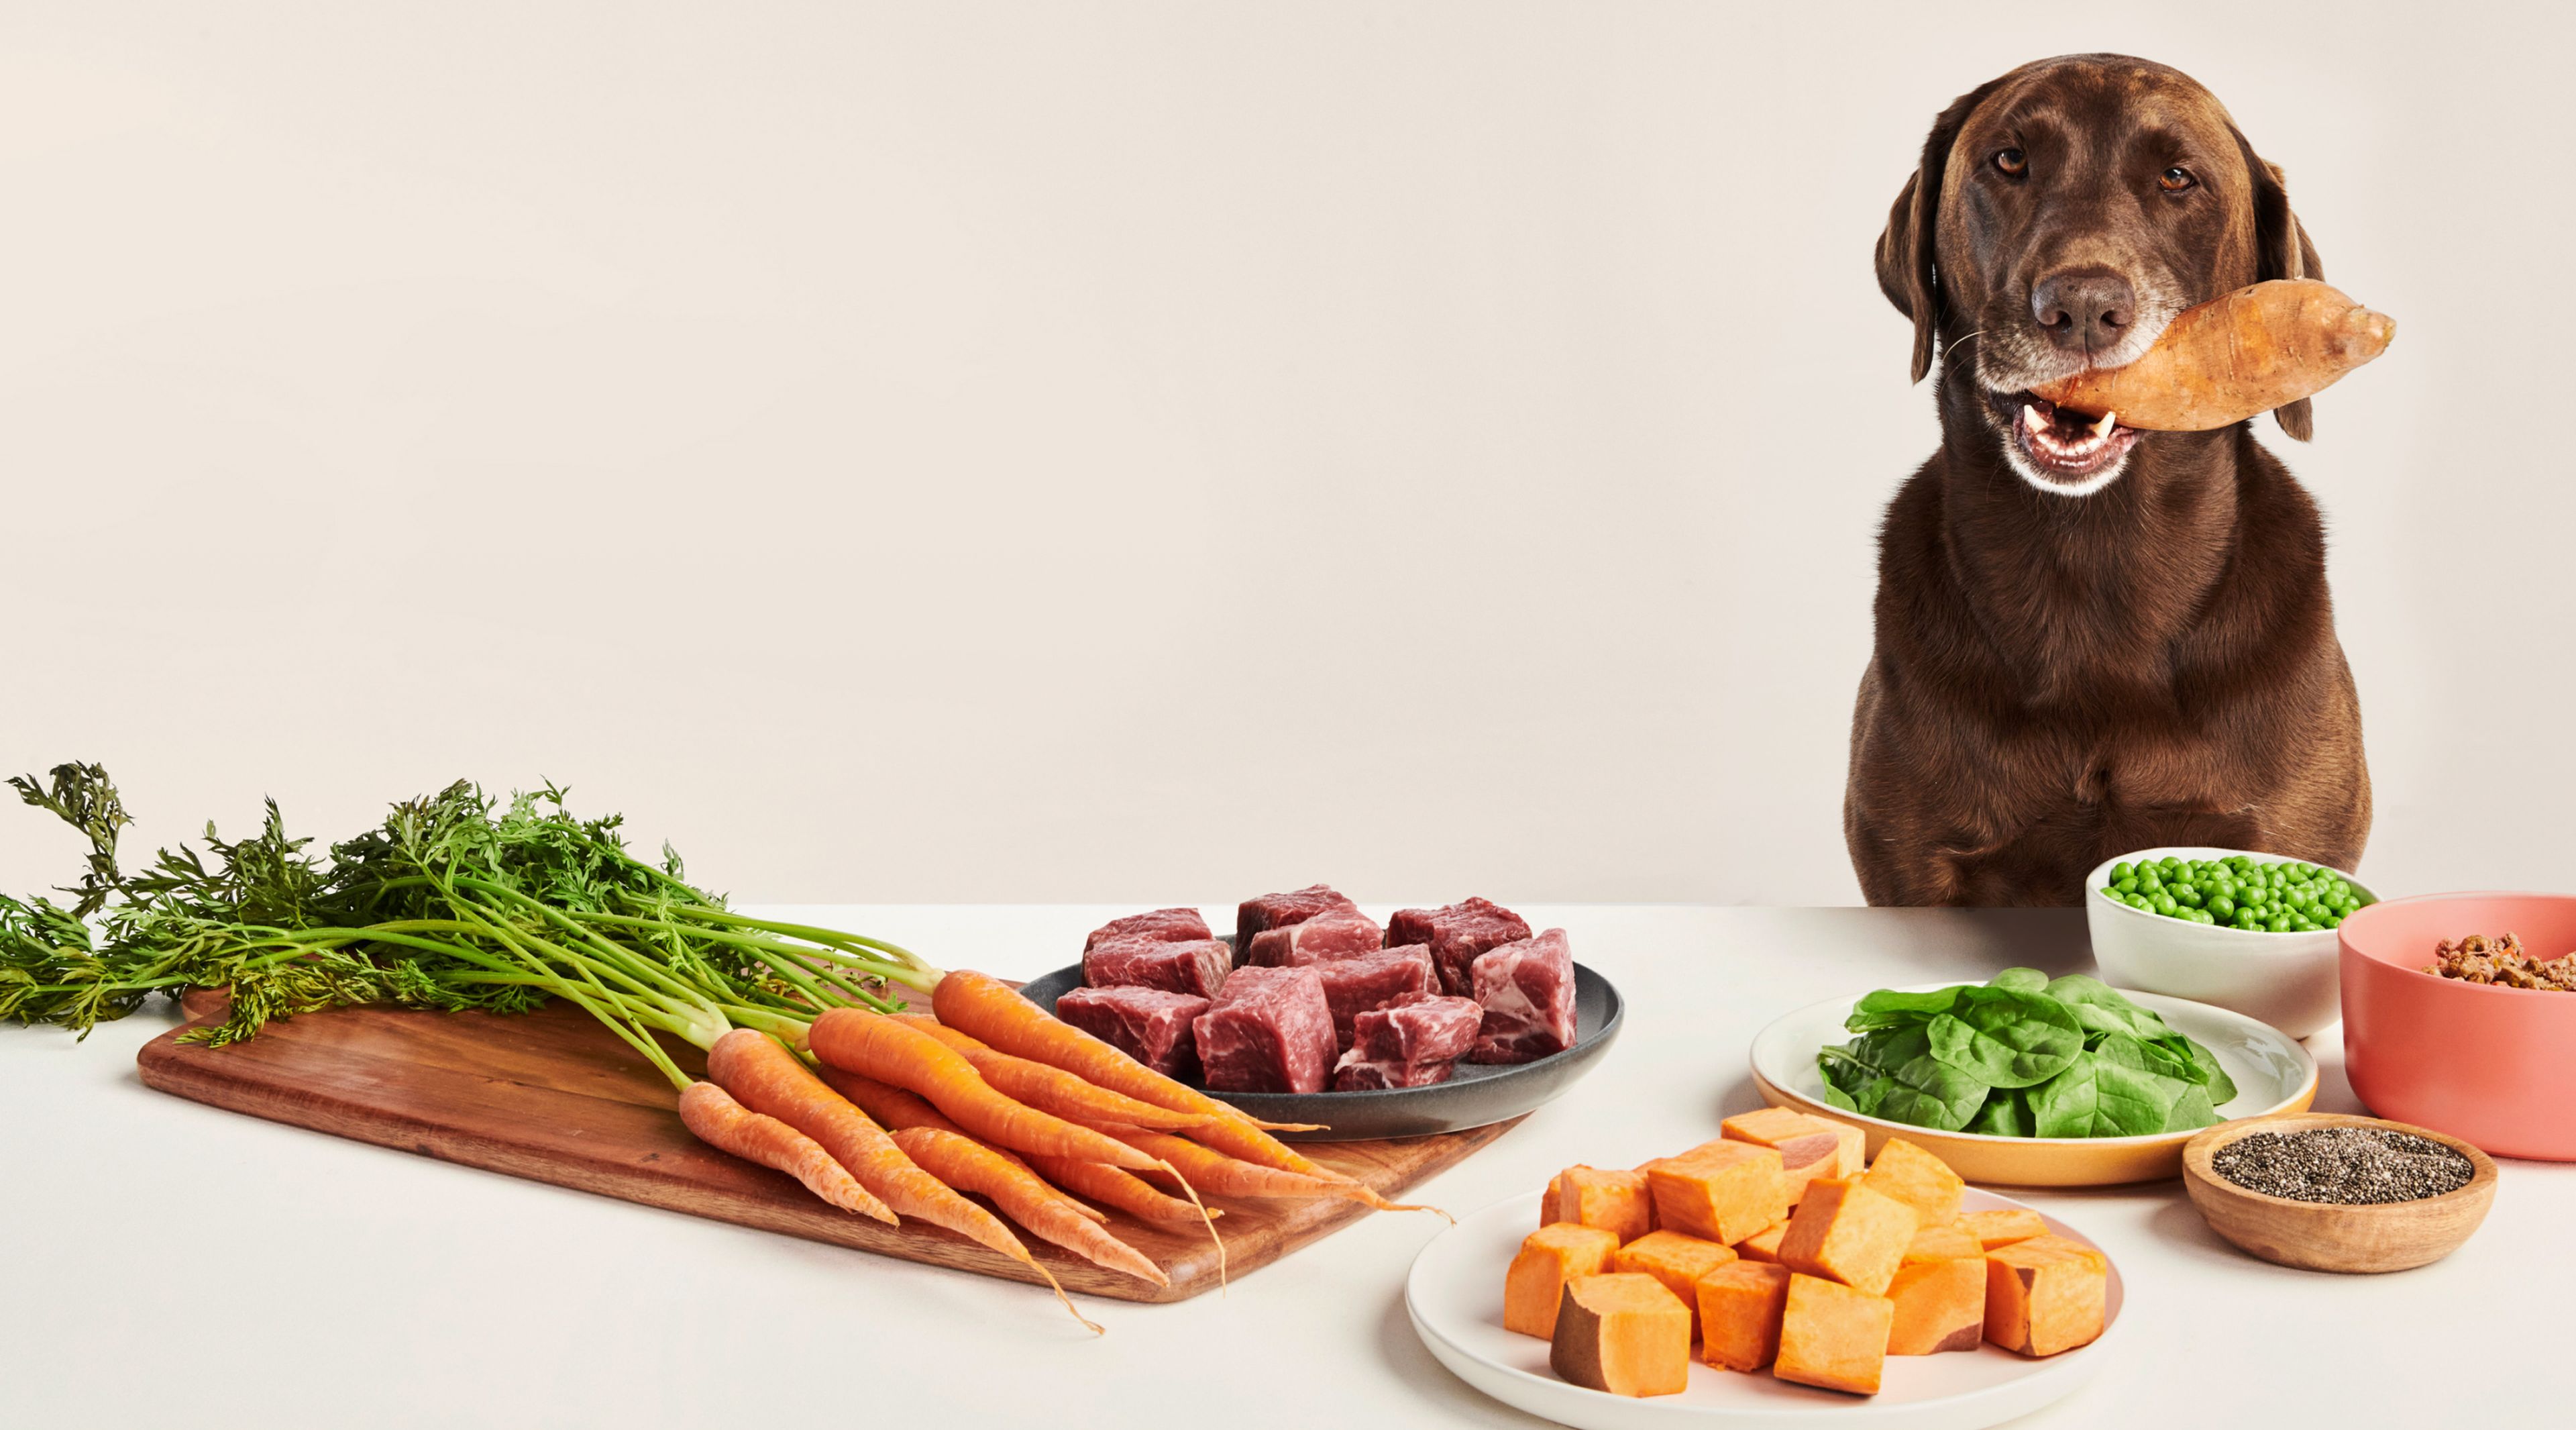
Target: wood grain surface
(2318,1236)
(553,1097)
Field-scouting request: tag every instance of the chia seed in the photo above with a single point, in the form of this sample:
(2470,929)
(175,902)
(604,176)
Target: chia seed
(2342,1166)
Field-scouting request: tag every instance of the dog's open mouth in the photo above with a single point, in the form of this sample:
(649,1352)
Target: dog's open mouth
(2058,443)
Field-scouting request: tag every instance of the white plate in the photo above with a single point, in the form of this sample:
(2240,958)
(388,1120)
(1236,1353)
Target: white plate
(2271,1071)
(1455,1294)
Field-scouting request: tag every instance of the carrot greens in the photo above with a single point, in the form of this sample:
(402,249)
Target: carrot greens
(456,901)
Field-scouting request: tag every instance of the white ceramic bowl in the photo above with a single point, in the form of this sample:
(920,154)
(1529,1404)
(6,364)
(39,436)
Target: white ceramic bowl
(2288,980)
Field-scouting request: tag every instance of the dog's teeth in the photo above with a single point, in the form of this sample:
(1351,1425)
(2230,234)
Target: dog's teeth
(2103,427)
(2030,418)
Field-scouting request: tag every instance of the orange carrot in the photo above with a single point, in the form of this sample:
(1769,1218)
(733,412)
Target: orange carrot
(765,1077)
(720,1122)
(986,1008)
(1229,1176)
(899,1110)
(874,1045)
(1124,1190)
(906,1187)
(1130,1194)
(1052,1089)
(969,1165)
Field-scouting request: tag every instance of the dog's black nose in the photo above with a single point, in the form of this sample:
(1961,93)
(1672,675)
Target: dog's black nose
(2084,310)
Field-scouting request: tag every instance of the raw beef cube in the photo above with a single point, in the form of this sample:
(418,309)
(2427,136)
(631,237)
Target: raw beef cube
(1413,1042)
(1367,981)
(1358,1074)
(1527,990)
(1421,1027)
(1151,1025)
(1458,935)
(1269,1031)
(1272,911)
(1343,933)
(1160,926)
(1196,967)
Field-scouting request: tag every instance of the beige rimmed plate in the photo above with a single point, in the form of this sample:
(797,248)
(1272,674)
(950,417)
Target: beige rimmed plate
(1455,1296)
(2271,1071)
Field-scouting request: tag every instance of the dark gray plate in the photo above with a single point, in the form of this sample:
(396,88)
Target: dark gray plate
(1474,1095)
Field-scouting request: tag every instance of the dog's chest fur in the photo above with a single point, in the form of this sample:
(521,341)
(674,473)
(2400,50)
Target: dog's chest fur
(2112,672)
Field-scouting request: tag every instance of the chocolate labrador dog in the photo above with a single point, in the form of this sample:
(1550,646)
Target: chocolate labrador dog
(2091,640)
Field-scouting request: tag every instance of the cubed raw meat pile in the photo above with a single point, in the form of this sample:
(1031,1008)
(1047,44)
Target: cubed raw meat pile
(1315,993)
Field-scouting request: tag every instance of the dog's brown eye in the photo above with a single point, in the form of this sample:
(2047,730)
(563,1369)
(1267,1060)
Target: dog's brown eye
(2011,161)
(2174,181)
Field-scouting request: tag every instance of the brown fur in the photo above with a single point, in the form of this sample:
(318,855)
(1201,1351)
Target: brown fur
(2059,679)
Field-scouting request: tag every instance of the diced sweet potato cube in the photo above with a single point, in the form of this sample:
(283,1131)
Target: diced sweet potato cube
(1720,1191)
(1614,1201)
(1940,1305)
(1918,1179)
(1944,1243)
(1809,1147)
(1550,1257)
(1833,1336)
(2045,1295)
(1626,1334)
(1739,1314)
(1676,1260)
(2003,1227)
(1846,1232)
(1763,1245)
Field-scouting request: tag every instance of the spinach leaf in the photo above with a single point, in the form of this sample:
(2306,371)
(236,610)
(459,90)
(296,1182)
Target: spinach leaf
(2144,1056)
(2020,980)
(2191,1110)
(2098,1008)
(1889,1008)
(2006,1114)
(2205,1068)
(1931,1093)
(2006,1039)
(2101,1098)
(1850,1084)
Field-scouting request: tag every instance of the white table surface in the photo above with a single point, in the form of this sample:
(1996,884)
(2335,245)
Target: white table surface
(168,1260)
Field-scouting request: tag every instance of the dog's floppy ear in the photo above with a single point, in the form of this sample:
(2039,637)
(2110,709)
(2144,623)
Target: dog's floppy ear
(1906,272)
(2281,250)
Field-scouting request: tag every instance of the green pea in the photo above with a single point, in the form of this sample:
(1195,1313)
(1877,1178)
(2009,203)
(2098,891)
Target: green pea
(2128,884)
(2223,906)
(2139,901)
(2123,870)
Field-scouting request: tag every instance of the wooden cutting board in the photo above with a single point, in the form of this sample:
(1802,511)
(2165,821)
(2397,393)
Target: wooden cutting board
(553,1097)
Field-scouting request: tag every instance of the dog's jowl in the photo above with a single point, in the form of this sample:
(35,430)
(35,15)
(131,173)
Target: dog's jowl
(2090,640)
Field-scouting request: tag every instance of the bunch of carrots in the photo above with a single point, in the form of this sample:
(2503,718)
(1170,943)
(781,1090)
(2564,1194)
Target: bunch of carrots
(997,1097)
(814,1067)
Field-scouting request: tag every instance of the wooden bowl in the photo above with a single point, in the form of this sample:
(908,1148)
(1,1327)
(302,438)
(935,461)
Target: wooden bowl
(2392,1236)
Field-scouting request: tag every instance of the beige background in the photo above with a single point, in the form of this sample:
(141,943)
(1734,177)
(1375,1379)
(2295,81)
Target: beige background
(1116,453)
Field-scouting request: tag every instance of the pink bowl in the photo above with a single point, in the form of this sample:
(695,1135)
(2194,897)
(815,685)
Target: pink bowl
(2489,1065)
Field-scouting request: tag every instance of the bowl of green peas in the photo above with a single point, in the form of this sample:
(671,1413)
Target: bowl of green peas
(2246,931)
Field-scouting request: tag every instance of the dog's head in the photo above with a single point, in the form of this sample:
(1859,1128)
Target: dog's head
(2062,215)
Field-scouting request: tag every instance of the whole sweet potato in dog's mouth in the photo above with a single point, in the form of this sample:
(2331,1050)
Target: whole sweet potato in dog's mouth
(2215,365)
